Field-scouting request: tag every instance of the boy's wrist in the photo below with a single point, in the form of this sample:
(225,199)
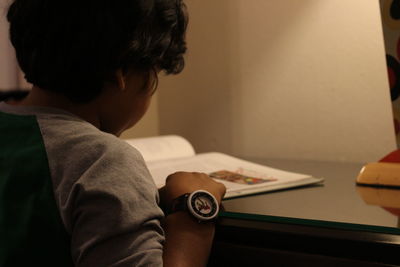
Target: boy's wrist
(186,240)
(183,222)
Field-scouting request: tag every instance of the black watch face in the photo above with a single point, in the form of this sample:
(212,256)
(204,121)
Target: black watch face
(203,205)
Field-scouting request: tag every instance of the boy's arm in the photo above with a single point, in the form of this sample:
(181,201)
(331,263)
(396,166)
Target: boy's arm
(188,242)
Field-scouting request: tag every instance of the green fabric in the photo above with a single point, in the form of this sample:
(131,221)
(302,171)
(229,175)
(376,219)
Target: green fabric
(31,230)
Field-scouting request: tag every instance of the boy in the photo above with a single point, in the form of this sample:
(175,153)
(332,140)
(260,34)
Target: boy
(71,192)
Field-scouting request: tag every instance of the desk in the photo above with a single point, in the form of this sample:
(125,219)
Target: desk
(327,225)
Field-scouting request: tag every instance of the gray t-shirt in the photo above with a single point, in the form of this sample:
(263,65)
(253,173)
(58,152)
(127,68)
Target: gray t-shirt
(106,197)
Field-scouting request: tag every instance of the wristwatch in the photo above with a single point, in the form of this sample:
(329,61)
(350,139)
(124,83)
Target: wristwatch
(201,204)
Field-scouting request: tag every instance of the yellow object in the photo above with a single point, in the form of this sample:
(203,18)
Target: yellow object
(380,174)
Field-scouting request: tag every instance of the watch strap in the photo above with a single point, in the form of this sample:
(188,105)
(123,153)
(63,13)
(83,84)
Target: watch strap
(178,204)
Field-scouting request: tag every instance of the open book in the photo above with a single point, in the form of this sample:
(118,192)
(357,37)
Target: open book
(165,155)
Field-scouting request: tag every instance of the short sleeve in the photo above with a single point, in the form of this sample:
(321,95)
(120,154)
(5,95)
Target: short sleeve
(107,201)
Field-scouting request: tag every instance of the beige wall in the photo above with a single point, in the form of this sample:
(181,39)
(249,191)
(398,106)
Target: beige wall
(283,79)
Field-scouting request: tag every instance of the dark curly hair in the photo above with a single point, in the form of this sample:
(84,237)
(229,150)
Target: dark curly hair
(73,47)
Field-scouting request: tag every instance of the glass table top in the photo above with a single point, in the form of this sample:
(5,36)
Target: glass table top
(338,203)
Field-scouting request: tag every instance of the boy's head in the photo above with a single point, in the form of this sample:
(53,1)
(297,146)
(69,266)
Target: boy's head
(73,47)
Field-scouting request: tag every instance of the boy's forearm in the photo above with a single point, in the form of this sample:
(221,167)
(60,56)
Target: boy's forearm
(188,243)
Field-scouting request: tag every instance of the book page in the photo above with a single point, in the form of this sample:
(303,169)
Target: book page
(239,176)
(162,147)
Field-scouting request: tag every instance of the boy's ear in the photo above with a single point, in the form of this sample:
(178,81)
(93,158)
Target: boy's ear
(120,79)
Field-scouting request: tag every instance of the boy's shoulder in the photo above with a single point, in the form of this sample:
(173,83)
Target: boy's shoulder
(65,134)
(70,134)
(78,152)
